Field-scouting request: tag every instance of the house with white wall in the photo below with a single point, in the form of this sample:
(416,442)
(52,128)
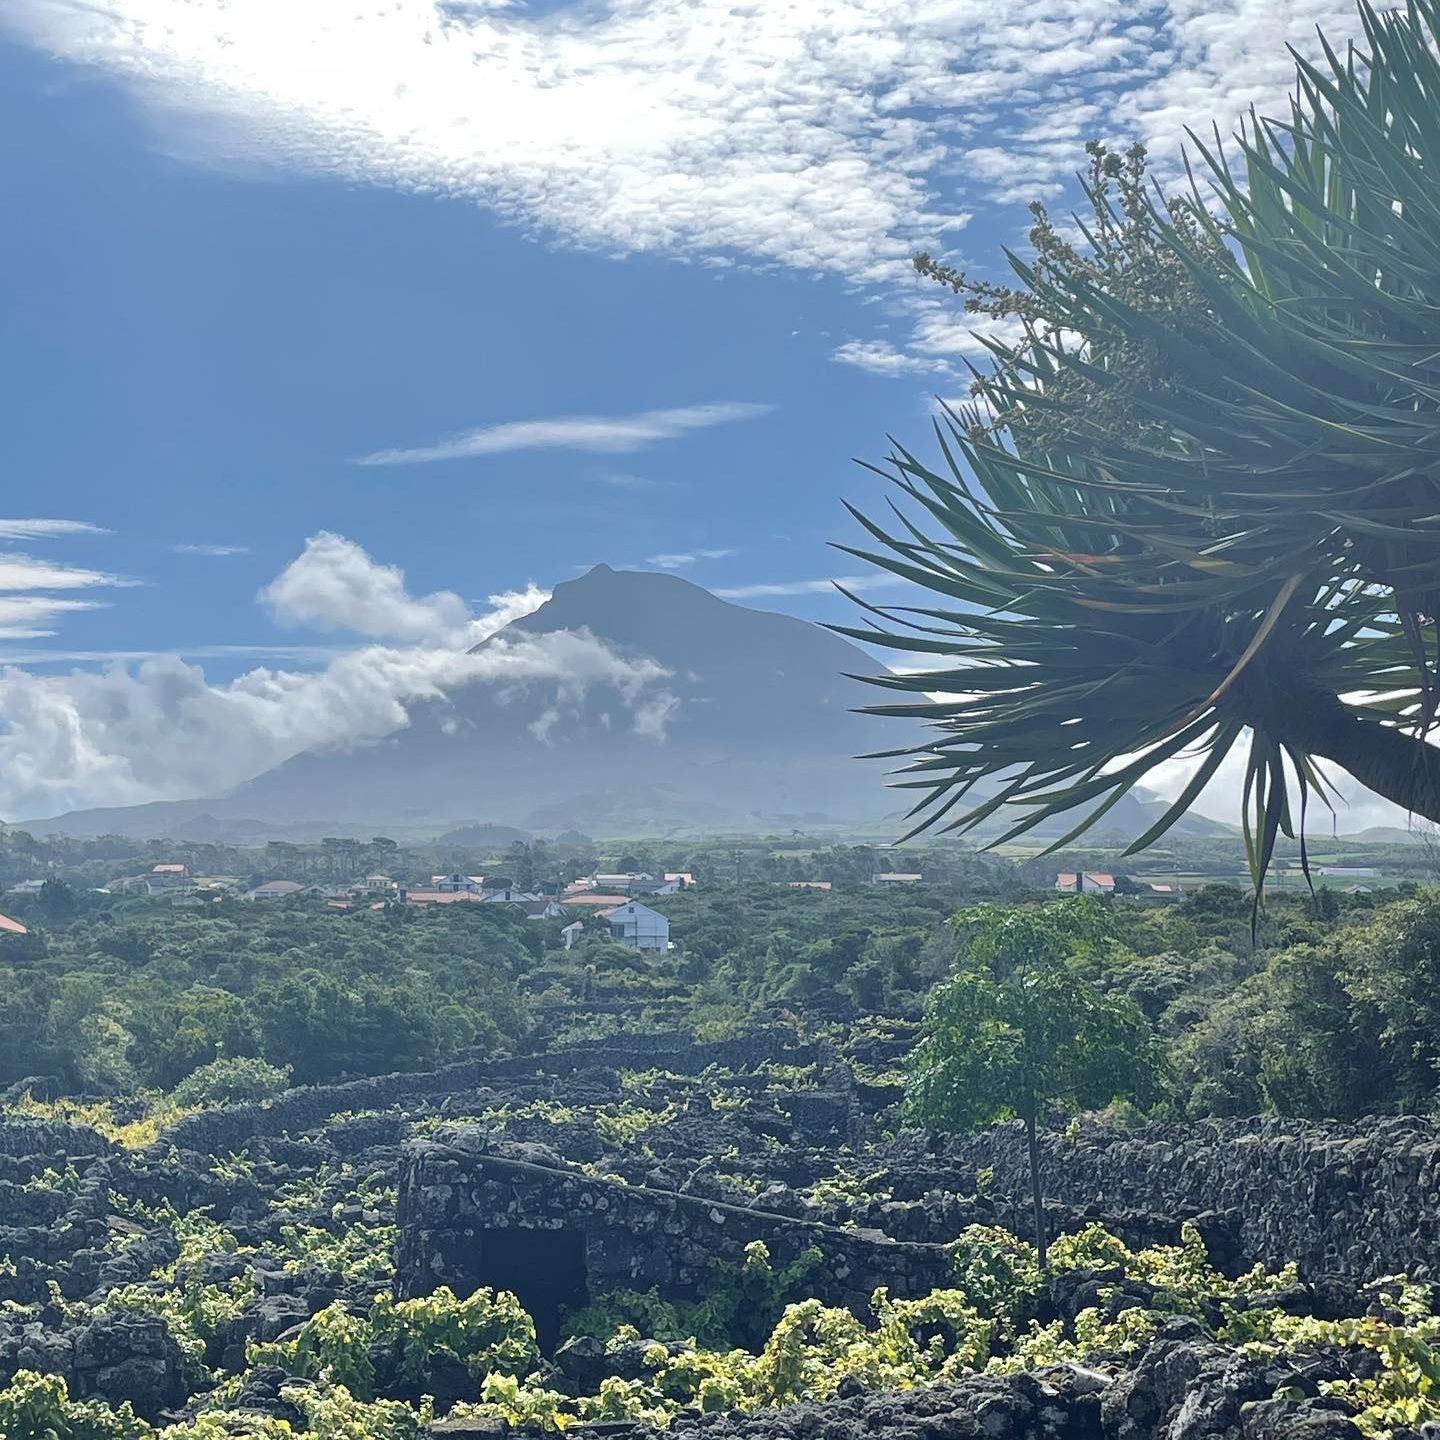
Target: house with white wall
(638,926)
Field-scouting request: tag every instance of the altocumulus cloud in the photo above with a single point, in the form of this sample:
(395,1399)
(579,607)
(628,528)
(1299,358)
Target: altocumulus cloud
(770,134)
(159,729)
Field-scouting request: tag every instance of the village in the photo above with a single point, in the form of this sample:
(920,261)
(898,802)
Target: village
(610,899)
(604,902)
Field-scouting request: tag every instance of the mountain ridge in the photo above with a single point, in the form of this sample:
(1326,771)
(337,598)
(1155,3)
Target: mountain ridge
(748,722)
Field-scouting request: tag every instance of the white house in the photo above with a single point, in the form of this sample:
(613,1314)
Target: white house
(1087,882)
(896,877)
(458,884)
(620,880)
(639,926)
(510,895)
(572,934)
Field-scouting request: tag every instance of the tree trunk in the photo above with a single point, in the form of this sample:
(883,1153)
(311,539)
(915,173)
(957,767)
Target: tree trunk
(1294,710)
(1042,1247)
(1398,766)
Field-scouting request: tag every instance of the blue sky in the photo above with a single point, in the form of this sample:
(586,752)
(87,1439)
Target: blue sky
(646,260)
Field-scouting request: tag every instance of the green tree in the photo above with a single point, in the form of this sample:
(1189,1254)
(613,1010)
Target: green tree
(1019,1028)
(1198,498)
(57,900)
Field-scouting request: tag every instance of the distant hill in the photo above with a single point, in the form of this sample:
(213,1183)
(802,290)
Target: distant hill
(761,736)
(473,837)
(1389,835)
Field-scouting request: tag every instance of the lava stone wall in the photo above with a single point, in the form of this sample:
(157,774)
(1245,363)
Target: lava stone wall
(220,1131)
(453,1203)
(1360,1200)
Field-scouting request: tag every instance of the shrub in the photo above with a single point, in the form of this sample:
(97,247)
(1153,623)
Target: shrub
(233,1080)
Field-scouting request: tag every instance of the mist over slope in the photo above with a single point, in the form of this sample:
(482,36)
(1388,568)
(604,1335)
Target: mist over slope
(752,726)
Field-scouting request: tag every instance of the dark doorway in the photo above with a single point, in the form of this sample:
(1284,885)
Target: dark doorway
(544,1268)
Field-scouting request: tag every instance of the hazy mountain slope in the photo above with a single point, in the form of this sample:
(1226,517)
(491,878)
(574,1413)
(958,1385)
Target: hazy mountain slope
(759,732)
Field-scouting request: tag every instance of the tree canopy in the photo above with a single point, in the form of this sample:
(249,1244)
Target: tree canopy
(1198,498)
(1020,1027)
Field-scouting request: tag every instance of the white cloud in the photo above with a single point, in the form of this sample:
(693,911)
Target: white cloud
(157,729)
(508,605)
(160,730)
(26,615)
(41,529)
(30,617)
(878,581)
(880,357)
(216,552)
(680,560)
(833,137)
(334,585)
(23,572)
(943,330)
(594,433)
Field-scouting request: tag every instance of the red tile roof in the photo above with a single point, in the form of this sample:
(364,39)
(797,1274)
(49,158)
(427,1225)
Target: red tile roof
(440,897)
(12,927)
(590,898)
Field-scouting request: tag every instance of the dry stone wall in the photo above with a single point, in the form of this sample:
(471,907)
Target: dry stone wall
(1359,1200)
(555,1235)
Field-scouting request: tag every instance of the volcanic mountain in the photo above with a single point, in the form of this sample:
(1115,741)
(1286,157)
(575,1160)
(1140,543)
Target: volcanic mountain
(655,707)
(740,718)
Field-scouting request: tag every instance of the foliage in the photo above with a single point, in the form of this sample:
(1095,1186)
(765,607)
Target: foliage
(235,1080)
(1019,1026)
(742,1303)
(1197,496)
(982,1324)
(38,1407)
(488,1331)
(156,1113)
(1342,1024)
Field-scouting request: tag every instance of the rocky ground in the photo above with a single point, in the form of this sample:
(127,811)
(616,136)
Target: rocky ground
(160,1276)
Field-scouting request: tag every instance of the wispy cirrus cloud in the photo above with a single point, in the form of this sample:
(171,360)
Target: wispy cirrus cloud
(679,560)
(45,529)
(28,615)
(32,617)
(597,434)
(818,137)
(214,552)
(858,583)
(25,572)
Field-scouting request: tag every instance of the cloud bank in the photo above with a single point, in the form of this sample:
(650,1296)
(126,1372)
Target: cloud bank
(159,729)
